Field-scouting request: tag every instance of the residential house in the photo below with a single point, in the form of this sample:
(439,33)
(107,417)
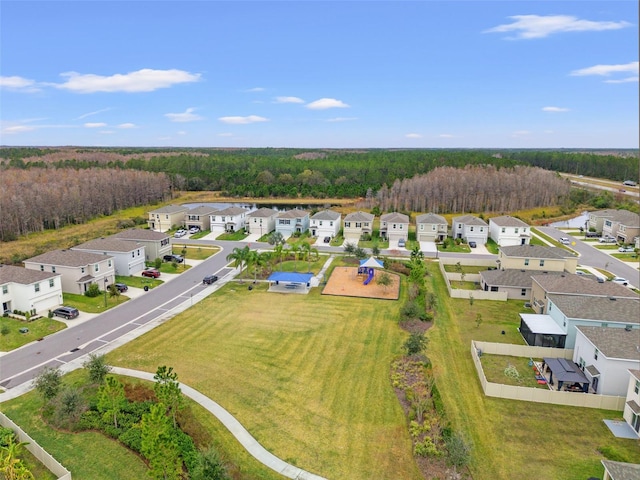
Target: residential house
(537,257)
(128,255)
(199,217)
(606,355)
(26,290)
(325,224)
(631,412)
(230,219)
(357,224)
(78,269)
(623,225)
(470,229)
(431,228)
(166,218)
(394,226)
(517,283)
(507,231)
(292,221)
(156,244)
(620,470)
(261,221)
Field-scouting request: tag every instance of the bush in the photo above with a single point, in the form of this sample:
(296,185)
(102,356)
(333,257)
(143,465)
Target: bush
(415,344)
(93,291)
(132,438)
(410,310)
(5,330)
(209,466)
(458,449)
(611,453)
(426,448)
(90,420)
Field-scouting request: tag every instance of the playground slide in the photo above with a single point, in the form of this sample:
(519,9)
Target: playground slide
(370,277)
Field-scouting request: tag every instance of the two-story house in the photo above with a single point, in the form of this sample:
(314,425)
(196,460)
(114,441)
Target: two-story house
(470,229)
(394,226)
(261,221)
(537,257)
(357,224)
(27,290)
(156,244)
(227,220)
(431,228)
(631,411)
(624,226)
(199,217)
(291,221)
(78,269)
(325,223)
(165,218)
(128,255)
(507,230)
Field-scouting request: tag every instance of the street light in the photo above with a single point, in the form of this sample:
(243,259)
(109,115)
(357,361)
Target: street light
(105,292)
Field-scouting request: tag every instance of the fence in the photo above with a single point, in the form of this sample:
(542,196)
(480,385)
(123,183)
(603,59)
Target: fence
(36,450)
(472,277)
(512,392)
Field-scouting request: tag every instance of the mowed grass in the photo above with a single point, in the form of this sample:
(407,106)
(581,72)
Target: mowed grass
(307,375)
(37,329)
(511,439)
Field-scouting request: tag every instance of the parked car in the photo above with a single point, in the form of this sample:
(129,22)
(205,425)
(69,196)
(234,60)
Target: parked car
(628,249)
(473,244)
(620,281)
(607,239)
(327,240)
(565,241)
(180,233)
(151,272)
(193,230)
(401,243)
(66,312)
(209,279)
(121,287)
(173,258)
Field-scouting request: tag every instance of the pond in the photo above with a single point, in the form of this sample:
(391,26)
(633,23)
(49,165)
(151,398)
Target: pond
(254,206)
(575,222)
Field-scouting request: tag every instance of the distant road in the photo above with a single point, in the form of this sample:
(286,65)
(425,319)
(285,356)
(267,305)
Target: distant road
(602,184)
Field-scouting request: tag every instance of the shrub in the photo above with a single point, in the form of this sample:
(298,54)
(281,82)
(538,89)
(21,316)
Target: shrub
(93,291)
(458,449)
(5,330)
(611,453)
(415,344)
(90,420)
(132,438)
(209,466)
(426,448)
(410,310)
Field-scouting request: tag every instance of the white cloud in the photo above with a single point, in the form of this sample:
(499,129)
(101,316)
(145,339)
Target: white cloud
(342,119)
(554,109)
(538,26)
(14,129)
(18,84)
(324,103)
(624,80)
(607,70)
(145,80)
(413,135)
(92,113)
(288,100)
(243,120)
(186,116)
(95,125)
(255,90)
(445,135)
(127,125)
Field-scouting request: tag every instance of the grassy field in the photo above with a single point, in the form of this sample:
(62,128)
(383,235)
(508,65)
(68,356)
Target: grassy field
(494,369)
(37,329)
(93,304)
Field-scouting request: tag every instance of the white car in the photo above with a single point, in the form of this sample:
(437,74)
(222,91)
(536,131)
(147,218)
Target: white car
(565,241)
(193,230)
(180,233)
(626,249)
(620,281)
(607,240)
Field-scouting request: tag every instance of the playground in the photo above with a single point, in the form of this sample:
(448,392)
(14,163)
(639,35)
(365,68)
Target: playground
(345,281)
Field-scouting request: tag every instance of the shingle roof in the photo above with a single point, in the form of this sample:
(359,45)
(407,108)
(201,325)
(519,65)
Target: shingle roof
(614,342)
(68,258)
(109,244)
(141,235)
(230,211)
(394,217)
(470,220)
(359,217)
(431,218)
(293,214)
(201,210)
(635,373)
(508,221)
(512,277)
(23,276)
(577,285)
(605,309)
(536,251)
(622,471)
(624,217)
(263,212)
(170,209)
(326,215)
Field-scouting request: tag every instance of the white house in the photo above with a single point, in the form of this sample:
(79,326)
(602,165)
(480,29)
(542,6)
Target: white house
(230,219)
(470,229)
(26,290)
(357,224)
(631,412)
(431,228)
(507,230)
(394,226)
(261,221)
(606,355)
(129,255)
(292,221)
(325,224)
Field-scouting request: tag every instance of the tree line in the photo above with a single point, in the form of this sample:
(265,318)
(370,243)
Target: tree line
(35,199)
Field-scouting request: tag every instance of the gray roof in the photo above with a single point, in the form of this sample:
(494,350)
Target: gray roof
(622,471)
(293,214)
(23,276)
(109,244)
(431,218)
(512,277)
(359,217)
(230,211)
(614,342)
(68,258)
(170,209)
(635,373)
(141,234)
(604,309)
(201,210)
(326,215)
(536,251)
(394,217)
(578,285)
(470,220)
(263,212)
(508,221)
(624,217)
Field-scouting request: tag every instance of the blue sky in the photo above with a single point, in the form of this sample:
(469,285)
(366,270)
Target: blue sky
(312,74)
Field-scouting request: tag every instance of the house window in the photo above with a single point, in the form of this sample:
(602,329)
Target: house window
(516,230)
(358,225)
(166,217)
(42,268)
(82,270)
(526,262)
(331,224)
(523,292)
(494,289)
(138,252)
(636,389)
(320,222)
(97,268)
(53,269)
(133,254)
(582,363)
(421,228)
(5,289)
(37,287)
(482,229)
(51,282)
(459,226)
(503,230)
(109,262)
(347,224)
(433,228)
(595,354)
(542,263)
(471,229)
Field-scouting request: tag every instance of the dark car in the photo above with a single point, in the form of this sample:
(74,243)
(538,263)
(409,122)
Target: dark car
(152,273)
(209,279)
(473,244)
(173,258)
(121,287)
(327,240)
(66,312)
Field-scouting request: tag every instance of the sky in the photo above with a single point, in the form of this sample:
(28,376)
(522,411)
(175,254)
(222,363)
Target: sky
(320,74)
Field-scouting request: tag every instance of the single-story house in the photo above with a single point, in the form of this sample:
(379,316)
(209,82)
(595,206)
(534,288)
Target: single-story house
(156,244)
(631,411)
(606,355)
(470,229)
(394,226)
(517,283)
(325,223)
(292,221)
(128,255)
(261,221)
(230,219)
(199,217)
(507,230)
(357,224)
(78,269)
(26,290)
(537,257)
(165,218)
(431,228)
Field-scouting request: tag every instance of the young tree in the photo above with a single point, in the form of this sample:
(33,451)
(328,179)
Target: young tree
(113,291)
(276,238)
(384,280)
(415,344)
(111,398)
(417,254)
(349,248)
(239,256)
(97,367)
(375,250)
(158,445)
(167,389)
(478,320)
(48,383)
(209,466)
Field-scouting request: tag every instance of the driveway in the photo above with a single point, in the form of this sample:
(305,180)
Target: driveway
(428,248)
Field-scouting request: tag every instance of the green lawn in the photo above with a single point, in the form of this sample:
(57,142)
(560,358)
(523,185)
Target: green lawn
(494,369)
(195,252)
(168,267)
(93,304)
(37,329)
(462,248)
(233,236)
(466,268)
(139,282)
